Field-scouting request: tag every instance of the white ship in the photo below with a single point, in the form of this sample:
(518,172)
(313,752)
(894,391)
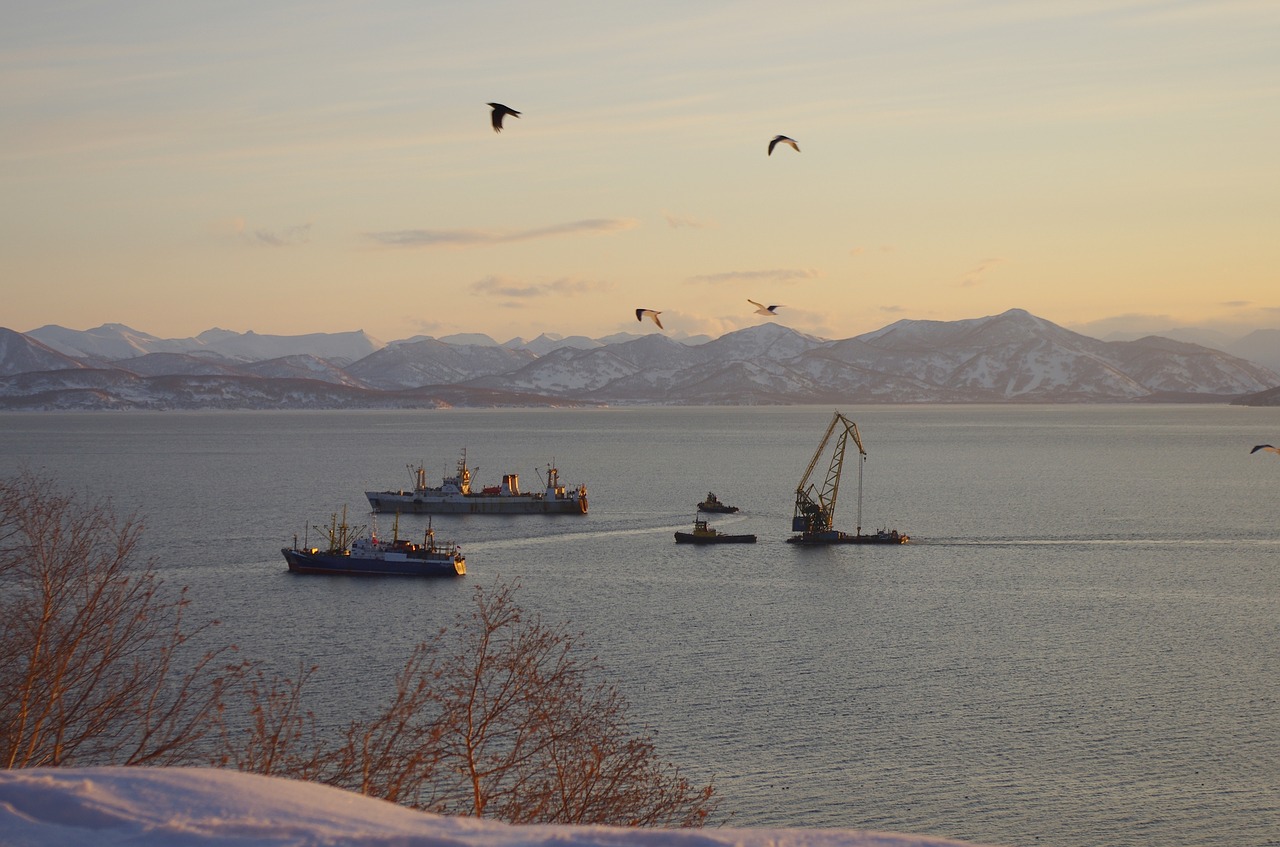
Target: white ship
(454,496)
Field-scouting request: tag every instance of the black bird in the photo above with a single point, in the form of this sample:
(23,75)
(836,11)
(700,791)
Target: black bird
(1264,447)
(783,139)
(650,313)
(499,112)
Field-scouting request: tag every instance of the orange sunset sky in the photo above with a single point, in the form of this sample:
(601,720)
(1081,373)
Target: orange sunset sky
(320,167)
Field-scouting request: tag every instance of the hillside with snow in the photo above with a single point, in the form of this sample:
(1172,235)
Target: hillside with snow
(204,807)
(1013,357)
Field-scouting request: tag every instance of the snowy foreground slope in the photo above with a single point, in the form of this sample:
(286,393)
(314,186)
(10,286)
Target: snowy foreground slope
(201,807)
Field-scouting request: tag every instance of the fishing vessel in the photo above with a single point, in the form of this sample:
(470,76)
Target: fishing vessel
(704,534)
(816,506)
(351,553)
(456,496)
(713,504)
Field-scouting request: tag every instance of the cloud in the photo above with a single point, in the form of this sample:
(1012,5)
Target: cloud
(502,286)
(427,326)
(236,228)
(287,237)
(857,251)
(680,222)
(974,277)
(484,238)
(777,275)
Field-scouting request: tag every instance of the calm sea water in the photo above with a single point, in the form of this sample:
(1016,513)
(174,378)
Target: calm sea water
(1081,646)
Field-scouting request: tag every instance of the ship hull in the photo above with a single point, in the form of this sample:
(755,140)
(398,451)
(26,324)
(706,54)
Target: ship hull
(308,562)
(475,504)
(698,538)
(826,538)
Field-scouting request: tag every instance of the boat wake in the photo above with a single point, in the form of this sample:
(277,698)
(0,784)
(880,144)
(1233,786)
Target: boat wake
(1098,542)
(590,535)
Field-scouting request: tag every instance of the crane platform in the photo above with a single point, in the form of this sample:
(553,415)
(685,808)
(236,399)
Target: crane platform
(816,506)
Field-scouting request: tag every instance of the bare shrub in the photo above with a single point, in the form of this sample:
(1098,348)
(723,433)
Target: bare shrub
(533,737)
(500,717)
(90,645)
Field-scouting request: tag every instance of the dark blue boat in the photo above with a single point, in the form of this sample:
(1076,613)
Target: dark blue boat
(349,553)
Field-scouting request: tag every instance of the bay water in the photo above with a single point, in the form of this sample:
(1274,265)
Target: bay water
(1081,645)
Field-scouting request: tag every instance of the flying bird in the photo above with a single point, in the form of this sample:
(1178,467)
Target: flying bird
(641,314)
(1265,447)
(499,112)
(783,139)
(761,309)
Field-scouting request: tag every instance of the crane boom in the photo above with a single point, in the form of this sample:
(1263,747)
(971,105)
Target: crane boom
(815,508)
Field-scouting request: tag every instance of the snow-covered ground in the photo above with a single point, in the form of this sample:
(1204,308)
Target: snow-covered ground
(202,807)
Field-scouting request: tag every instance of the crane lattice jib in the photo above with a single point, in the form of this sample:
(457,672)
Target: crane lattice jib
(817,508)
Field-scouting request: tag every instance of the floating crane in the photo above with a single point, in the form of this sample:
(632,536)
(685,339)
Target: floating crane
(815,507)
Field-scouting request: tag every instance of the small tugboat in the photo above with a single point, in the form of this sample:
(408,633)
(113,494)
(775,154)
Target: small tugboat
(815,507)
(455,496)
(713,504)
(703,534)
(350,553)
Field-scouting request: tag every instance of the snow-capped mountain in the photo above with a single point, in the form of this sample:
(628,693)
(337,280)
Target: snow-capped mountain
(21,354)
(107,342)
(1010,357)
(432,362)
(302,366)
(341,347)
(545,343)
(1262,346)
(477,339)
(113,342)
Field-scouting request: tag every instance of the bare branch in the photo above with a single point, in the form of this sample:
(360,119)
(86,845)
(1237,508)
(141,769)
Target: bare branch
(89,641)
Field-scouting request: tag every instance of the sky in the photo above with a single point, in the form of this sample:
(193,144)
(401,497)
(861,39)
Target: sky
(294,167)
(202,807)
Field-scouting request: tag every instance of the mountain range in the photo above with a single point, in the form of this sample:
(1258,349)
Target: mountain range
(1011,357)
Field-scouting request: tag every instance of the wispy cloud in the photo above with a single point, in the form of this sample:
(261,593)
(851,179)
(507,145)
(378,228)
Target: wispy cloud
(685,222)
(485,238)
(287,237)
(776,275)
(504,286)
(975,276)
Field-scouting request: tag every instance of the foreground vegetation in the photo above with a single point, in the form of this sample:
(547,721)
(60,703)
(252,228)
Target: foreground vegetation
(497,716)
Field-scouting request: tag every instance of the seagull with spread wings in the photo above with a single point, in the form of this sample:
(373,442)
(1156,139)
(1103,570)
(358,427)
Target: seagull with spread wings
(782,139)
(762,309)
(641,314)
(499,112)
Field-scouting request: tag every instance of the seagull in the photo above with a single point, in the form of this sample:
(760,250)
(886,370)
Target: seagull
(641,314)
(1265,447)
(500,111)
(784,140)
(761,309)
